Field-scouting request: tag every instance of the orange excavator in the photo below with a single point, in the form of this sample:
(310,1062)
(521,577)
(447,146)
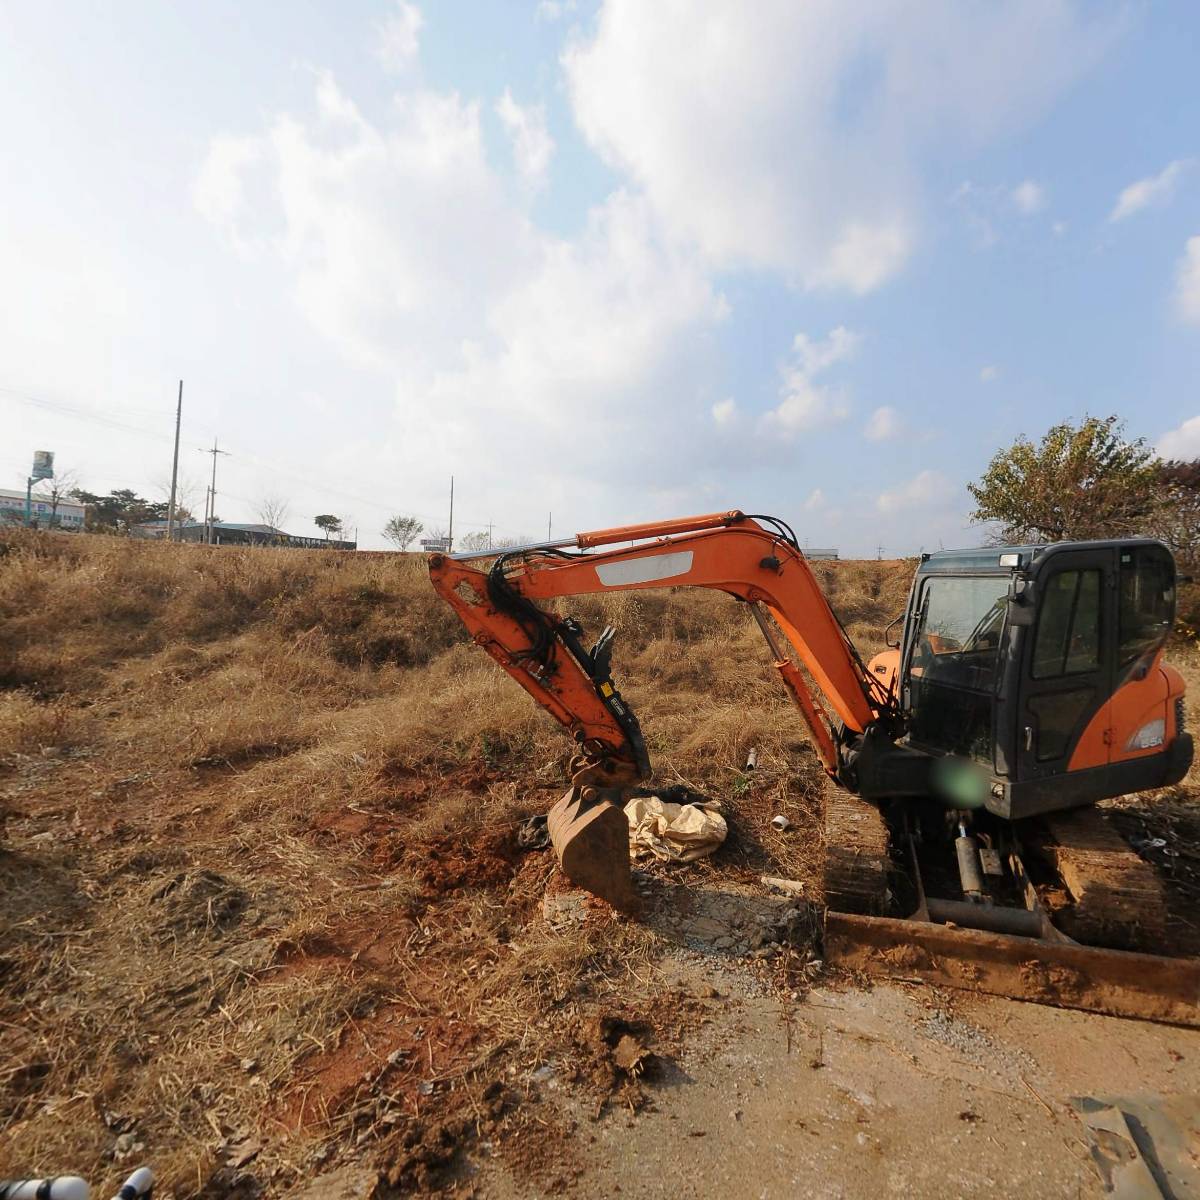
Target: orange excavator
(1027,683)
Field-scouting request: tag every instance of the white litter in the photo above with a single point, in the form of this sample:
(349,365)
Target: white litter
(673,832)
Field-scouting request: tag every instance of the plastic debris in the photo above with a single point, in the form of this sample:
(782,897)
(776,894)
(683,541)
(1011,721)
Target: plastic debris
(533,833)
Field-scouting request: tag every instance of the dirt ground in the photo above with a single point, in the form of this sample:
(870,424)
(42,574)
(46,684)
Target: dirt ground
(852,1092)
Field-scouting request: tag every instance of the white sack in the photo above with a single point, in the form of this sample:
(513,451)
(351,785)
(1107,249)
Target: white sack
(673,832)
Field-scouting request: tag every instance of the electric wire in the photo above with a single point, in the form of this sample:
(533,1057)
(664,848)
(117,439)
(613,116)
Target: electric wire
(295,475)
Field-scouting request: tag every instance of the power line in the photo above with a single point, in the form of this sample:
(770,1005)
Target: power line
(210,513)
(84,414)
(81,410)
(295,474)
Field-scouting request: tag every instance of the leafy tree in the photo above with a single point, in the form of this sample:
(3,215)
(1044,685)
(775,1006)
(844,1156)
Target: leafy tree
(119,510)
(1084,481)
(1179,520)
(329,523)
(1179,526)
(402,531)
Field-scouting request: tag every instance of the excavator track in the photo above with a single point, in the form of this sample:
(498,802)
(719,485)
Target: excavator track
(1104,910)
(857,855)
(1117,898)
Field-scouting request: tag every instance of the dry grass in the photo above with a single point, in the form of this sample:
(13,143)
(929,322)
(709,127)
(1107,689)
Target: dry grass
(261,886)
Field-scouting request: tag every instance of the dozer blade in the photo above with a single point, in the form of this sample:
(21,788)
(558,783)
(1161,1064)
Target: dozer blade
(590,835)
(1118,982)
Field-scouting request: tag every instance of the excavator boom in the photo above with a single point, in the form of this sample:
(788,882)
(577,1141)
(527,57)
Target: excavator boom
(728,552)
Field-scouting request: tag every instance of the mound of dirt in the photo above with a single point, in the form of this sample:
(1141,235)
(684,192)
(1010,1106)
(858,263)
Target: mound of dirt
(450,863)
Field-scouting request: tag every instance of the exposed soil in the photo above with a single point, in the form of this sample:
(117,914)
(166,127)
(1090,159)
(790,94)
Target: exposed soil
(893,1091)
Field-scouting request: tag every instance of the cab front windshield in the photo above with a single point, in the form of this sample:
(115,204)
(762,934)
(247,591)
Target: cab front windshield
(952,670)
(959,631)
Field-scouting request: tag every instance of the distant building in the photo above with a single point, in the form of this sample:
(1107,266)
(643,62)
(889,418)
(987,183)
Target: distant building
(232,533)
(435,545)
(821,554)
(68,514)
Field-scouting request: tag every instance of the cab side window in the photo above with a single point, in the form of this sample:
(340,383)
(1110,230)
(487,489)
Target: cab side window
(1068,635)
(1147,604)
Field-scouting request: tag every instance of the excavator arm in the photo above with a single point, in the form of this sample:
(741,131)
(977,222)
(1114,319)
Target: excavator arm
(729,552)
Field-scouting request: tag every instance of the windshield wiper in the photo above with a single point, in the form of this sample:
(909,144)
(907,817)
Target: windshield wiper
(982,626)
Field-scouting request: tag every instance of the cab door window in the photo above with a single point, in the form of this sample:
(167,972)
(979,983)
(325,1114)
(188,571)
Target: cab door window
(1067,644)
(1068,635)
(1147,601)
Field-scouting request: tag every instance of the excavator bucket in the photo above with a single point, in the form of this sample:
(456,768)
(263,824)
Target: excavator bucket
(590,835)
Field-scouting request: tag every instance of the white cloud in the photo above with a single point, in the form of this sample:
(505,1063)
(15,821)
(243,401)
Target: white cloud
(397,238)
(1152,192)
(925,490)
(724,412)
(1029,197)
(397,39)
(815,501)
(218,192)
(554,10)
(804,403)
(989,373)
(1182,443)
(791,137)
(409,254)
(884,424)
(817,356)
(1187,282)
(864,257)
(532,144)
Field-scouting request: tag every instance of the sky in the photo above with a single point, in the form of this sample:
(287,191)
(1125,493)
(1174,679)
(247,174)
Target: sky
(603,262)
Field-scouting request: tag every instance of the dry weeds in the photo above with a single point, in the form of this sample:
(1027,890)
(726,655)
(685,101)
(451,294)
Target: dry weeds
(263,905)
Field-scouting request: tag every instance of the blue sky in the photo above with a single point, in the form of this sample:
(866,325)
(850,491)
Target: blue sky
(611,260)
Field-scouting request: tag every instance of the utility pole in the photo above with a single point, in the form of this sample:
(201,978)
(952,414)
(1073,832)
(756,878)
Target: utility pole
(175,467)
(549,525)
(491,526)
(450,535)
(210,516)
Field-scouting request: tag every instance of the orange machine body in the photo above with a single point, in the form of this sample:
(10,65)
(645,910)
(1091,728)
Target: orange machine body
(881,729)
(1141,716)
(728,552)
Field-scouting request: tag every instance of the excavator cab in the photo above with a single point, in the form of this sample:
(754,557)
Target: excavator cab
(1043,665)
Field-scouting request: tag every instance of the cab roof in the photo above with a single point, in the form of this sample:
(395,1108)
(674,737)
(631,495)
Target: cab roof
(987,559)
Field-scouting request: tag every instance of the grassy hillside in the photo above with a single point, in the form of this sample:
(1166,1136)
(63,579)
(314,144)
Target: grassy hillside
(261,878)
(260,884)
